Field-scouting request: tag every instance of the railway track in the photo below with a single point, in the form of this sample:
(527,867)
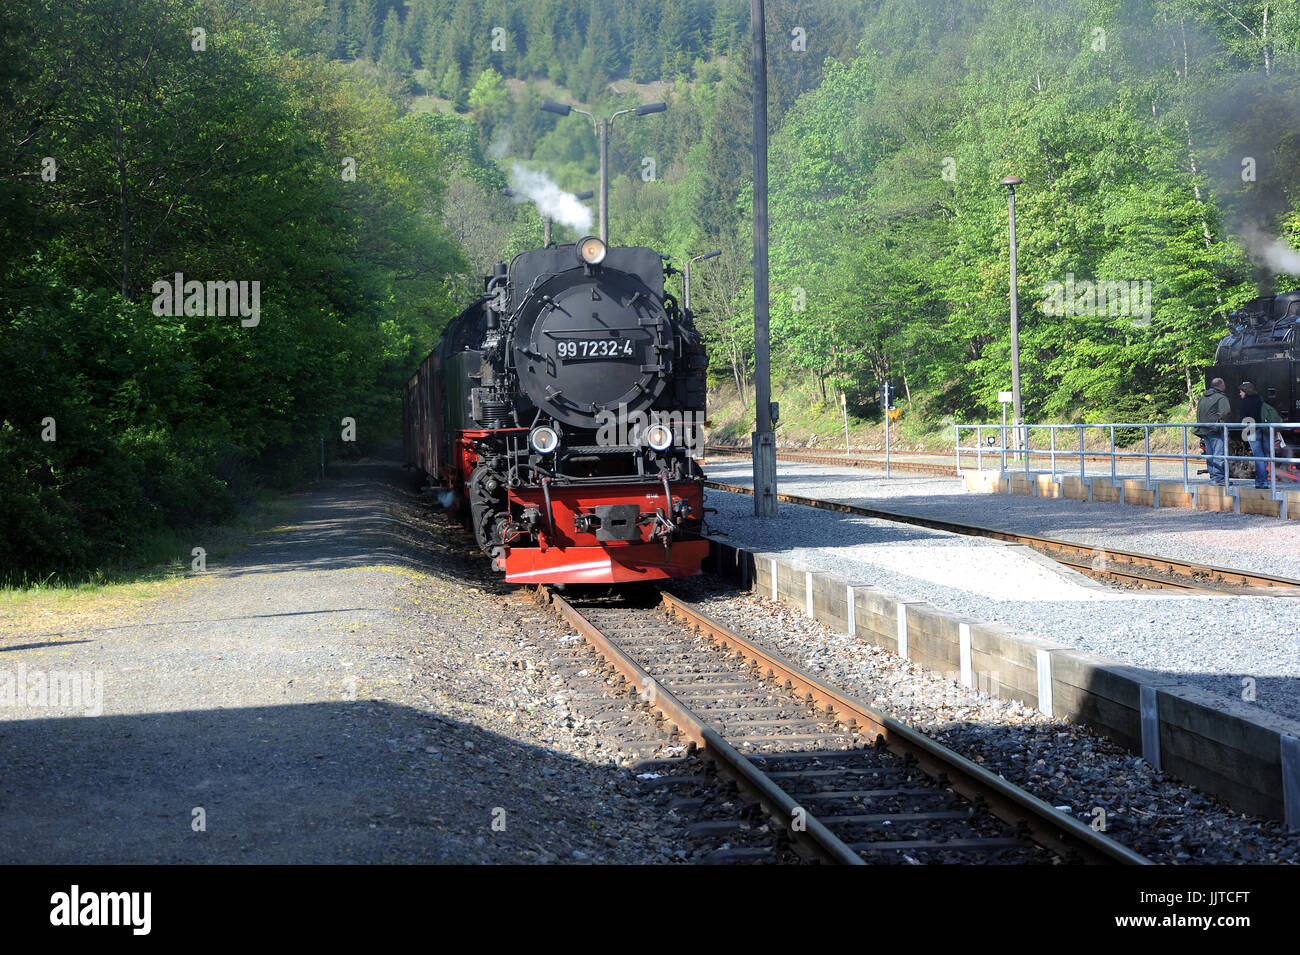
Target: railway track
(1124,567)
(876,461)
(847,784)
(825,457)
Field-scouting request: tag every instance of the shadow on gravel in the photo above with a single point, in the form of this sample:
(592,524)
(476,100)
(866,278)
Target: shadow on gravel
(333,782)
(337,530)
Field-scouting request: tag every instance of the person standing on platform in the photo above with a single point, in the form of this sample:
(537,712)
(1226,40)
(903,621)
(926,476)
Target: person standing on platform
(1250,413)
(1211,410)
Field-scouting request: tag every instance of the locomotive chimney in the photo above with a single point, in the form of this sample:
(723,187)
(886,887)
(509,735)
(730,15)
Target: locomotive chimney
(1264,284)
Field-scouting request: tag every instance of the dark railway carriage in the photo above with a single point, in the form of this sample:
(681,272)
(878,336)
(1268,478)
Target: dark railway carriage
(558,415)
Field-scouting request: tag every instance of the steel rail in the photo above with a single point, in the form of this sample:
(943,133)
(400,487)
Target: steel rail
(784,809)
(1045,825)
(1146,569)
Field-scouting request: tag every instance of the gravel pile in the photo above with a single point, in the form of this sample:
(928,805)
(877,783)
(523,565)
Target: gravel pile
(1055,759)
(1212,642)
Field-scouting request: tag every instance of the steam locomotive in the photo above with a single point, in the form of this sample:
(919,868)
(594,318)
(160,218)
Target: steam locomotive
(557,418)
(1261,347)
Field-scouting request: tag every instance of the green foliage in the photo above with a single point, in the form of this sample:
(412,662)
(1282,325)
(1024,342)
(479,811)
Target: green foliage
(887,211)
(119,420)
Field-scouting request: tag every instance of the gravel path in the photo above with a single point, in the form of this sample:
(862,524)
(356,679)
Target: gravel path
(1055,759)
(1212,642)
(349,688)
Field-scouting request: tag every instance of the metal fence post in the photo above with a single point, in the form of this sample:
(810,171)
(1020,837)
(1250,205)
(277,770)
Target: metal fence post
(1227,478)
(1146,433)
(1052,432)
(1184,458)
(1272,463)
(1112,454)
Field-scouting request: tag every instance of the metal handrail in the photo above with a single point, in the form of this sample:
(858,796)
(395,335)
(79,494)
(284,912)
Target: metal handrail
(1021,445)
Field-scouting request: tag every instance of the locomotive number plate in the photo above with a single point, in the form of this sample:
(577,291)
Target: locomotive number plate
(594,348)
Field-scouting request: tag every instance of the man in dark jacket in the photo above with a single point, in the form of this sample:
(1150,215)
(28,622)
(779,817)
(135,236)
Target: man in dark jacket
(1250,413)
(1211,410)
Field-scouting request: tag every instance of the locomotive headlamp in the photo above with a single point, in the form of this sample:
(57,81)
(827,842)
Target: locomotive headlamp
(544,440)
(659,437)
(591,250)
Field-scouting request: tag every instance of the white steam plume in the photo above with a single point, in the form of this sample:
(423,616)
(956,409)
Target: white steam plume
(563,207)
(499,148)
(1273,253)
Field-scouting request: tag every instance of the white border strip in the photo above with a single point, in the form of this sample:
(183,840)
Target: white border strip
(1044,660)
(963,637)
(902,630)
(1149,713)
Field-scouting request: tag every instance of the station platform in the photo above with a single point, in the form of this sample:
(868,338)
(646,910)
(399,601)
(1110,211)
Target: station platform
(1239,498)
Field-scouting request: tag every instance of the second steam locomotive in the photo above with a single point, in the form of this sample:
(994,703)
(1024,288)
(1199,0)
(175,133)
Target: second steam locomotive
(557,418)
(1262,347)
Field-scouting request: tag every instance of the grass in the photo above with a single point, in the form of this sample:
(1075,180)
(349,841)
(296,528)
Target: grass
(160,561)
(808,421)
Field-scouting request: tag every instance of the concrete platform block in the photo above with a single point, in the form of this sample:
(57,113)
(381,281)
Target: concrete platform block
(1105,492)
(1257,501)
(1138,494)
(1171,494)
(1213,497)
(1073,489)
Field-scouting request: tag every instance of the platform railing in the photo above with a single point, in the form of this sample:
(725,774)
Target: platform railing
(1033,446)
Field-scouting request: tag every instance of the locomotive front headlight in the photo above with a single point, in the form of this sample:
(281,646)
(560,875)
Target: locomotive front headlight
(591,250)
(659,437)
(544,440)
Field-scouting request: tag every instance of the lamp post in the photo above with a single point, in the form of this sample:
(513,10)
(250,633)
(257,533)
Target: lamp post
(546,218)
(603,126)
(1017,418)
(763,441)
(686,276)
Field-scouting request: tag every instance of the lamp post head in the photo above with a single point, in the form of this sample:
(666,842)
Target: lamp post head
(553,107)
(584,195)
(650,108)
(1012,181)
